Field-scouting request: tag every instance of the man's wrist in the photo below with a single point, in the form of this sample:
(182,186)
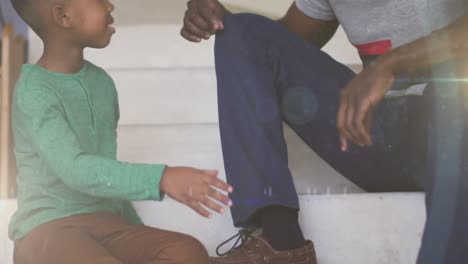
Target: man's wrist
(387,63)
(383,71)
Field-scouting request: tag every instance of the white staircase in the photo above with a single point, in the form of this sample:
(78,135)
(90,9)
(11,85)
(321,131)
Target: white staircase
(167,90)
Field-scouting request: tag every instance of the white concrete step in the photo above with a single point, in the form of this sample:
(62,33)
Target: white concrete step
(200,146)
(351,229)
(161,78)
(166,95)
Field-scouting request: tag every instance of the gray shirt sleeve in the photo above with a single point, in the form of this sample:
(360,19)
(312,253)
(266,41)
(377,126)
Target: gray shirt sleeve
(318,9)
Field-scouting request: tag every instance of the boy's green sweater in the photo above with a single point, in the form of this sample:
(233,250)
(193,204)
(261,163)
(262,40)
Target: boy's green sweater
(64,127)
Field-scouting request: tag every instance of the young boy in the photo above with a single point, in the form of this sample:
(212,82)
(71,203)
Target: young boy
(73,195)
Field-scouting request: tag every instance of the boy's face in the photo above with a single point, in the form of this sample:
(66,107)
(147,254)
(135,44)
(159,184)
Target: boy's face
(92,20)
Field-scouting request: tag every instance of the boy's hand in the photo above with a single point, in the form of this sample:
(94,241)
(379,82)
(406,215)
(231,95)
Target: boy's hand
(202,19)
(195,188)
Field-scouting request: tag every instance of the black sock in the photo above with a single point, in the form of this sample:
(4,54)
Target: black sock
(281,228)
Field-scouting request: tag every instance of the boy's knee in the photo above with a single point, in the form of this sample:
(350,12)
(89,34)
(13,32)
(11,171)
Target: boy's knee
(193,251)
(186,249)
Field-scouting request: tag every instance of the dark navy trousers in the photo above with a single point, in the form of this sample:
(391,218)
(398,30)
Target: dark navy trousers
(266,76)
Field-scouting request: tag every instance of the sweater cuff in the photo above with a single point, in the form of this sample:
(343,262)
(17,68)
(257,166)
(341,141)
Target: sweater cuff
(149,182)
(155,192)
(162,194)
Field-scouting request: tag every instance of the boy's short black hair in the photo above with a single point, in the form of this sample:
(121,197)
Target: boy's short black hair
(29,11)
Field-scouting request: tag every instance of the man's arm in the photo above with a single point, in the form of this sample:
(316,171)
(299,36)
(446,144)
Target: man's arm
(418,58)
(204,18)
(316,32)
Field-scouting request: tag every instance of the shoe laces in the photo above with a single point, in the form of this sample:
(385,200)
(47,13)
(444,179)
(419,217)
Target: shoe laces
(242,237)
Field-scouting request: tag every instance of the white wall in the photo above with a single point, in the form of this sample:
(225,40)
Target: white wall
(159,22)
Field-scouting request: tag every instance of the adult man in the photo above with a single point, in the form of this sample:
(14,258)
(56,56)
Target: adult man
(272,72)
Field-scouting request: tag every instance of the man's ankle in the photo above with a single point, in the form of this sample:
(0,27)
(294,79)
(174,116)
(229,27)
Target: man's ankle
(281,228)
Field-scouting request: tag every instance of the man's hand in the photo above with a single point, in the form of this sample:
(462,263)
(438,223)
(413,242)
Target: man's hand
(195,188)
(202,19)
(358,101)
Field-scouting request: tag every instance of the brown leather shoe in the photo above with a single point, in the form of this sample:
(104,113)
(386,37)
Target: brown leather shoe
(255,249)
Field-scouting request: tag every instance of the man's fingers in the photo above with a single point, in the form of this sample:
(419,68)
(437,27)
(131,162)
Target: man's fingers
(213,13)
(343,143)
(351,122)
(194,30)
(360,122)
(347,117)
(219,13)
(340,121)
(188,36)
(199,23)
(368,123)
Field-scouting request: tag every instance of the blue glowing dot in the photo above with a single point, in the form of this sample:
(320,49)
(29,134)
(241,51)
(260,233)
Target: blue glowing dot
(299,105)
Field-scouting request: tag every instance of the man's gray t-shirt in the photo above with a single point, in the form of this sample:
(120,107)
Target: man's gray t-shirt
(377,26)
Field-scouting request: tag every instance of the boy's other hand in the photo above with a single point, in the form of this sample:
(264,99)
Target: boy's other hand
(196,188)
(202,19)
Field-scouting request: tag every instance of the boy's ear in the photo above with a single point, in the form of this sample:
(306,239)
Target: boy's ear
(61,16)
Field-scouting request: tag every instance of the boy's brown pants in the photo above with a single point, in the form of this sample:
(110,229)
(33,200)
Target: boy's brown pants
(103,238)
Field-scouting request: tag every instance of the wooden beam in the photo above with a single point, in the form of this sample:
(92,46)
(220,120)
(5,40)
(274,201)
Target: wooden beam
(13,57)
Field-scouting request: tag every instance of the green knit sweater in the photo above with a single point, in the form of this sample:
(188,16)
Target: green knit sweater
(64,127)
